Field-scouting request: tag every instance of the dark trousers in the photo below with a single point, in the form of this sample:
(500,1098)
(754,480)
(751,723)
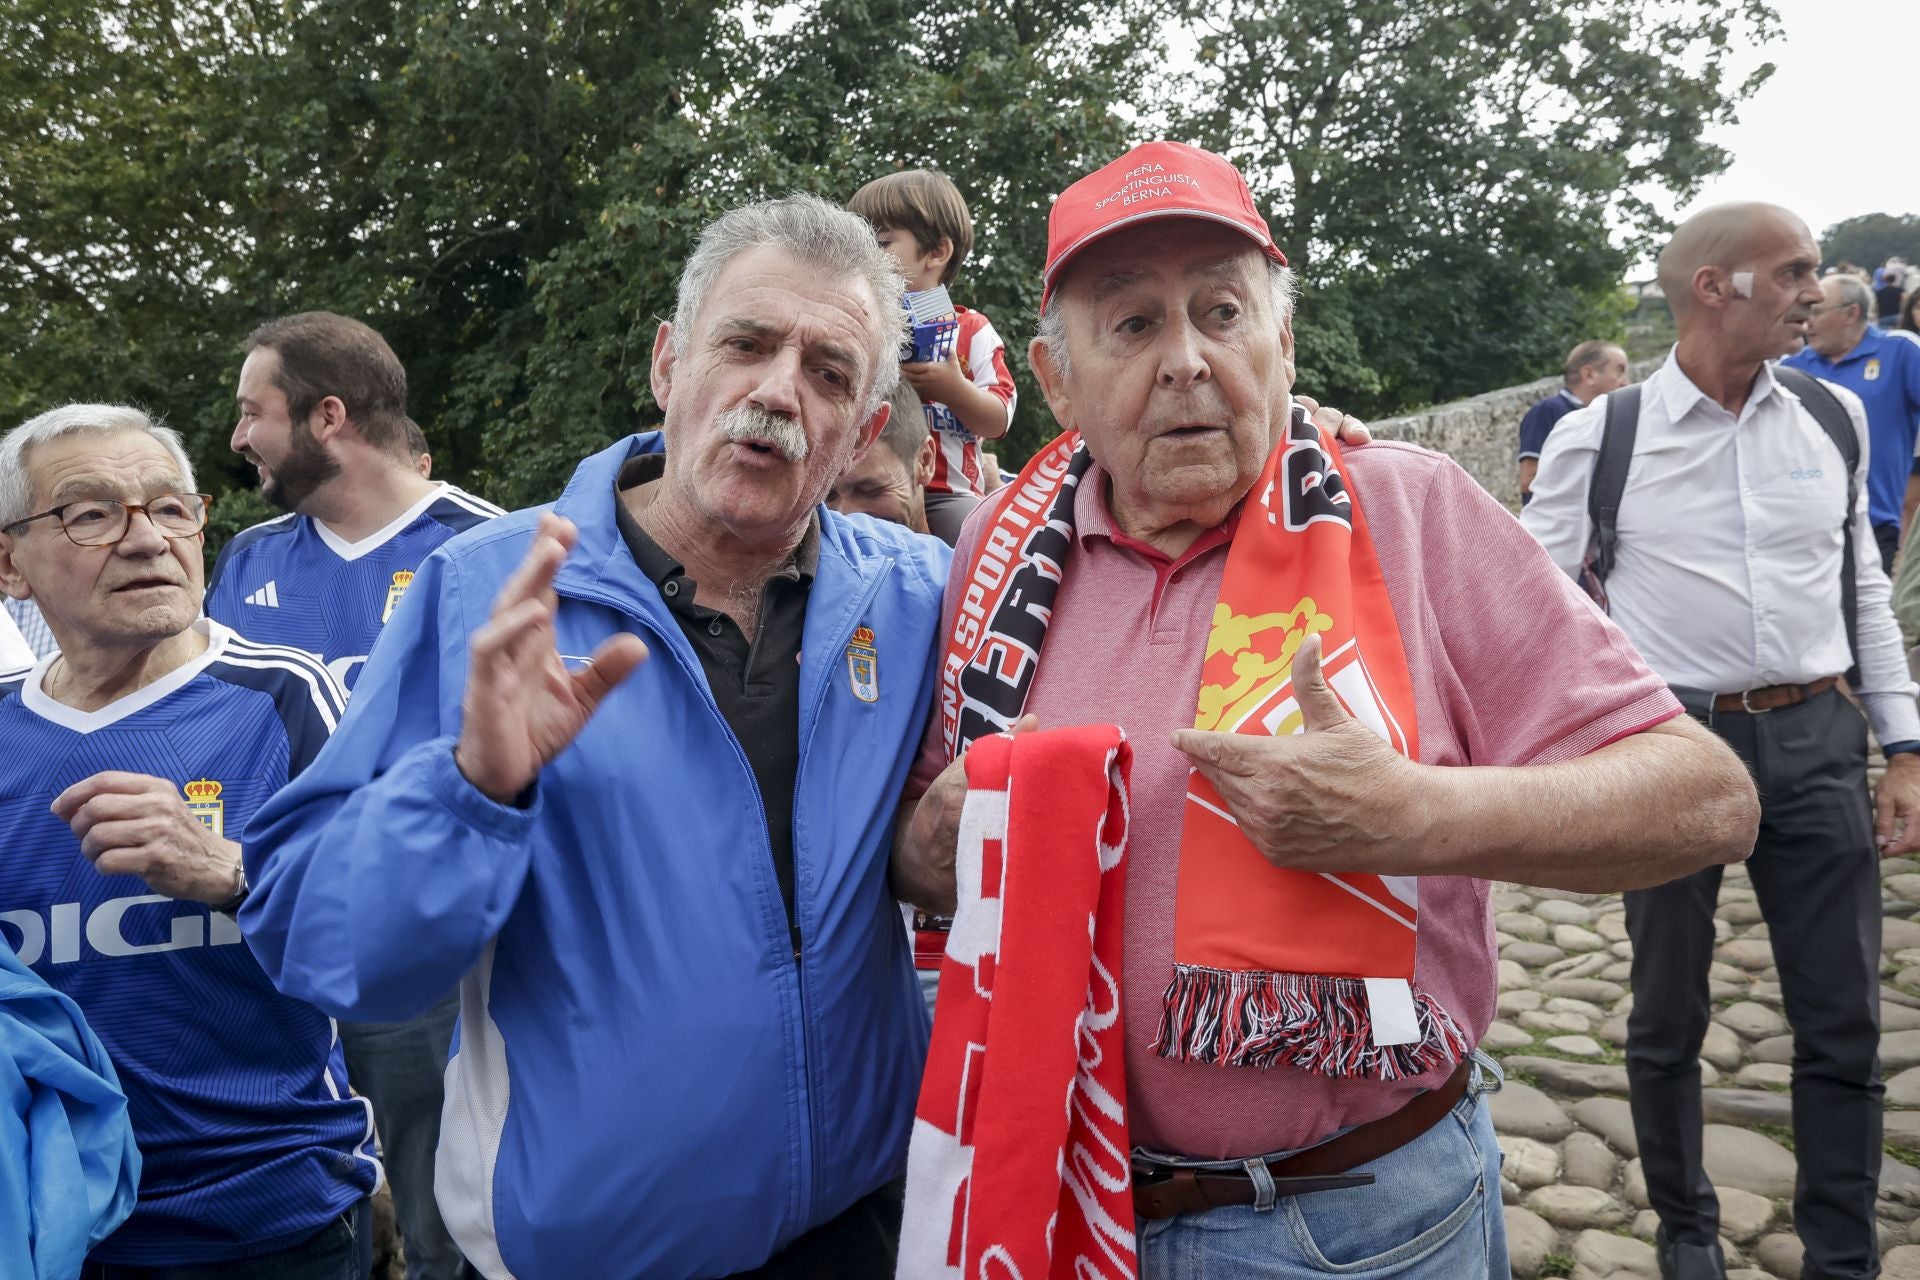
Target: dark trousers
(341,1250)
(861,1244)
(1815,872)
(400,1067)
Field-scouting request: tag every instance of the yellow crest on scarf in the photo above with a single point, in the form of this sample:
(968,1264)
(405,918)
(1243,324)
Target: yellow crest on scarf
(1262,647)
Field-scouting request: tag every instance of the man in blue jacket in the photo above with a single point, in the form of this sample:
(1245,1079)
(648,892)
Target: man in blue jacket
(690,1038)
(1883,369)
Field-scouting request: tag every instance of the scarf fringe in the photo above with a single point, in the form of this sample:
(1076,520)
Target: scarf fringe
(1249,1018)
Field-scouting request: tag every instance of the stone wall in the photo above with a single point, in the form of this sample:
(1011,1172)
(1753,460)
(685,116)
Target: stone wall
(1482,434)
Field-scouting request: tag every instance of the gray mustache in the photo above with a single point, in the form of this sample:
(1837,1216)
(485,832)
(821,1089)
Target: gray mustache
(749,423)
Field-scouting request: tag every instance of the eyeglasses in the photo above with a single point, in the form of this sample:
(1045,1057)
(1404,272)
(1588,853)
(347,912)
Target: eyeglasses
(103,522)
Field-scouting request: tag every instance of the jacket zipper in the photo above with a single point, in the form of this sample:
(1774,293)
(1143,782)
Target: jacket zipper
(810,722)
(690,661)
(810,718)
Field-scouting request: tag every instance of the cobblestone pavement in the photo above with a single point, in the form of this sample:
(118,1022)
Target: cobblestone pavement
(1576,1200)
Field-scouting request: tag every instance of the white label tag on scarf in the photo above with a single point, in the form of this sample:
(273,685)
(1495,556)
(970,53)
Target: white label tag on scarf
(1390,1006)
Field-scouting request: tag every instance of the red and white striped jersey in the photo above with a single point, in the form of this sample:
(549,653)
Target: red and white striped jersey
(983,361)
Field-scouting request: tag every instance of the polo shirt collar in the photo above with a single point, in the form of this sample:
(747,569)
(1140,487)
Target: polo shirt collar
(1092,518)
(657,563)
(1869,345)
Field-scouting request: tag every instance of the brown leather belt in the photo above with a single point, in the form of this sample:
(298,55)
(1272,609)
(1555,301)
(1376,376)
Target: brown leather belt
(1772,697)
(1161,1191)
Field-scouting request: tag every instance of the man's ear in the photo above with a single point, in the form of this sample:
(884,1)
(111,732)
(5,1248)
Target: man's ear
(660,376)
(1052,385)
(923,464)
(869,433)
(12,581)
(1286,352)
(1713,288)
(942,254)
(328,419)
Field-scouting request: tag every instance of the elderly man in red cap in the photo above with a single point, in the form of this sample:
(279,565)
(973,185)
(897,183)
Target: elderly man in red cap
(1328,663)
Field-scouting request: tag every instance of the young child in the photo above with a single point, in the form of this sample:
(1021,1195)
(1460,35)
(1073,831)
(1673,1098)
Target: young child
(922,221)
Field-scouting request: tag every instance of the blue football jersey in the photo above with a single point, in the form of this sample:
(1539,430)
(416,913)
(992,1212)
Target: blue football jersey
(293,581)
(237,1094)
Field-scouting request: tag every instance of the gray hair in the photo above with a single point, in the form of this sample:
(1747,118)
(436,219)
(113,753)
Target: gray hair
(814,231)
(16,485)
(1052,332)
(1854,293)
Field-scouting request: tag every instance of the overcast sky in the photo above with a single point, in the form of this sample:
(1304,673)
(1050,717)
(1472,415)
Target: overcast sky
(1833,133)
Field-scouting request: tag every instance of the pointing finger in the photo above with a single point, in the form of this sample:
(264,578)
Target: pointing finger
(534,578)
(1229,754)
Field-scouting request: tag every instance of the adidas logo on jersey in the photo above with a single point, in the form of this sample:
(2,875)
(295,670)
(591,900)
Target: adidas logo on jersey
(267,597)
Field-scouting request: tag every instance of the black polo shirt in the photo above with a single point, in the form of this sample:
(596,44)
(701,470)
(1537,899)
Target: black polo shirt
(756,681)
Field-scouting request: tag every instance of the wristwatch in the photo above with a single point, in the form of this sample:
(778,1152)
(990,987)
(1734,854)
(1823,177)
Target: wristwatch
(1892,749)
(241,888)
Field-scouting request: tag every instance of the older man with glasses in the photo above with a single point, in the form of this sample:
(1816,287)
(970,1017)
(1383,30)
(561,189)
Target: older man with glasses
(132,753)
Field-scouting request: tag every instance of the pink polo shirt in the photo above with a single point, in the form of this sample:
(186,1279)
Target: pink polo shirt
(1511,665)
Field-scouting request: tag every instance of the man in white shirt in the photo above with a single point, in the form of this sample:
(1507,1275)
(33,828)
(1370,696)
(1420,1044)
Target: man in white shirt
(1727,575)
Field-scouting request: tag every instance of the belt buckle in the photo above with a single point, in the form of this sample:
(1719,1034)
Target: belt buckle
(1748,707)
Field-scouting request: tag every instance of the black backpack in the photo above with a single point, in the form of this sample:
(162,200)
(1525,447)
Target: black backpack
(1616,455)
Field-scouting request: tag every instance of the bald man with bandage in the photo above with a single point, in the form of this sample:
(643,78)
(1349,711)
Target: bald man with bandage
(1746,571)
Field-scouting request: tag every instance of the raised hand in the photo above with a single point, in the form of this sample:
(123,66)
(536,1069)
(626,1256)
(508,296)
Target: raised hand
(522,706)
(1334,798)
(136,825)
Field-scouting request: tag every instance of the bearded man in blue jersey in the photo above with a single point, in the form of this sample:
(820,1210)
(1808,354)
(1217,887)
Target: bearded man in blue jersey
(132,757)
(322,403)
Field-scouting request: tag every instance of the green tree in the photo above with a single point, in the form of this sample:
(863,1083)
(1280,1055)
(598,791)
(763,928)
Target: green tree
(1012,99)
(1461,182)
(505,190)
(1870,239)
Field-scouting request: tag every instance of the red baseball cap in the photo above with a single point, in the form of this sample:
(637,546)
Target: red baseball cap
(1154,180)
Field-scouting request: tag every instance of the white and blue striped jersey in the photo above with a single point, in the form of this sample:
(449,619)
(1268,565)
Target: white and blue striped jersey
(293,581)
(237,1094)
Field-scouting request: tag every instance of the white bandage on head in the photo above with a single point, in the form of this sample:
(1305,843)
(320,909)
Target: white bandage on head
(1743,283)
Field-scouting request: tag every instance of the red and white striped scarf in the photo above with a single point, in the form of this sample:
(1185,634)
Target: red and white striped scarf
(1003,1180)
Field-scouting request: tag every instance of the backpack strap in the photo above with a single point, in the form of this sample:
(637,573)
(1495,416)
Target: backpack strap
(1819,400)
(1609,480)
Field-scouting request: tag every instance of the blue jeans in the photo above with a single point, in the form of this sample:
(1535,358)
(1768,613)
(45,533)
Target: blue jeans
(341,1250)
(401,1069)
(1432,1213)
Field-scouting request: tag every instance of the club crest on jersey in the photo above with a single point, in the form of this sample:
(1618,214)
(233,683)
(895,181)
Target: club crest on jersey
(204,803)
(401,580)
(1310,486)
(863,666)
(1872,372)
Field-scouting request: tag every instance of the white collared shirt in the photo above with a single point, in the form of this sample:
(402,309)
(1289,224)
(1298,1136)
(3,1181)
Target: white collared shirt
(1727,572)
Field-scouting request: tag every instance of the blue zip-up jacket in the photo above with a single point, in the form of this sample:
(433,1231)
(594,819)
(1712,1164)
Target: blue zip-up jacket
(648,1081)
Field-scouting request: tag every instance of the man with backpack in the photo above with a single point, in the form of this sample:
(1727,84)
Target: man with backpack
(1720,510)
